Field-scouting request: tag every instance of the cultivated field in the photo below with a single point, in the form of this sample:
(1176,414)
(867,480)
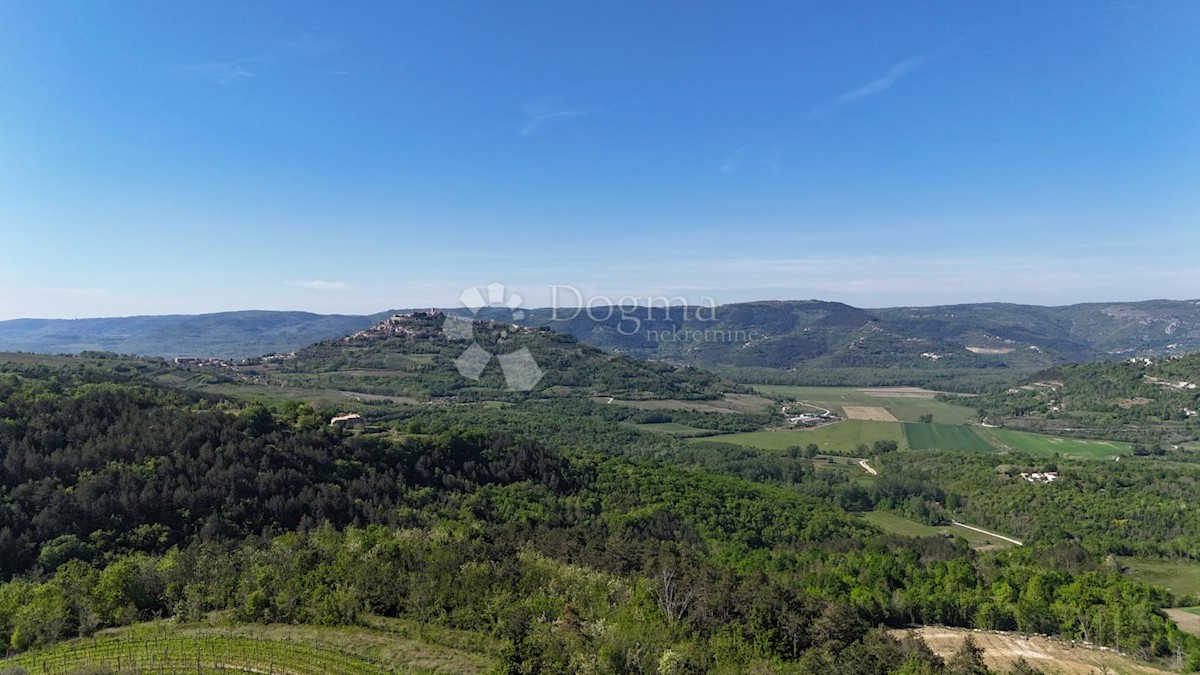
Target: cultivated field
(1002,650)
(163,647)
(944,437)
(841,438)
(866,412)
(907,404)
(1024,441)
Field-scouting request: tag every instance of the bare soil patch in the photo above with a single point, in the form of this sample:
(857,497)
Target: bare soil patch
(1135,401)
(1185,619)
(991,350)
(864,412)
(1001,651)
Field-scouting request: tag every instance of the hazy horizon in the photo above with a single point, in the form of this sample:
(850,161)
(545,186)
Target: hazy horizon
(535,306)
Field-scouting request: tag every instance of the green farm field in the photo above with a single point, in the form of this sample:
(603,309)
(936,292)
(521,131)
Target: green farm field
(1179,577)
(841,438)
(944,437)
(905,409)
(1038,444)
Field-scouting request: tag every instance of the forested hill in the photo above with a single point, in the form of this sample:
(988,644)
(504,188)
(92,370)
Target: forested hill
(1158,398)
(124,502)
(774,335)
(420,355)
(813,333)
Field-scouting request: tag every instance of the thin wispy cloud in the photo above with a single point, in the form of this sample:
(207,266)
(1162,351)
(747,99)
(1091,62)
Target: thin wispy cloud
(876,86)
(547,110)
(318,285)
(750,156)
(277,55)
(216,72)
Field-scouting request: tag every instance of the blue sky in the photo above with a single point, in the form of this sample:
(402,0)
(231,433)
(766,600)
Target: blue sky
(351,157)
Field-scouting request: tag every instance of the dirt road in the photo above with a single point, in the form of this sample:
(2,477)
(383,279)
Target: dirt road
(988,533)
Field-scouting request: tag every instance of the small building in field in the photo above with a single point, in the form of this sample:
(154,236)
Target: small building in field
(349,421)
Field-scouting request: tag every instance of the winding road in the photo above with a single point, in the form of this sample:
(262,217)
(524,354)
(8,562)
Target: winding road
(825,412)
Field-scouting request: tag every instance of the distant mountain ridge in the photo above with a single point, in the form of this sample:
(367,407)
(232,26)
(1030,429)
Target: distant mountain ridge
(766,334)
(814,333)
(223,334)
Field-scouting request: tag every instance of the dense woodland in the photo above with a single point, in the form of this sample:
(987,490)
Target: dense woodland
(1137,506)
(556,527)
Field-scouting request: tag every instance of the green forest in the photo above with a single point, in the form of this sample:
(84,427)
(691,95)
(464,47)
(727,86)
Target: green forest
(552,527)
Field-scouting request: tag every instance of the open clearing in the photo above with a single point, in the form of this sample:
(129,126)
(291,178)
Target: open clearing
(866,412)
(1178,576)
(1023,441)
(890,522)
(991,350)
(944,437)
(907,404)
(729,403)
(841,438)
(1001,651)
(673,428)
(274,393)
